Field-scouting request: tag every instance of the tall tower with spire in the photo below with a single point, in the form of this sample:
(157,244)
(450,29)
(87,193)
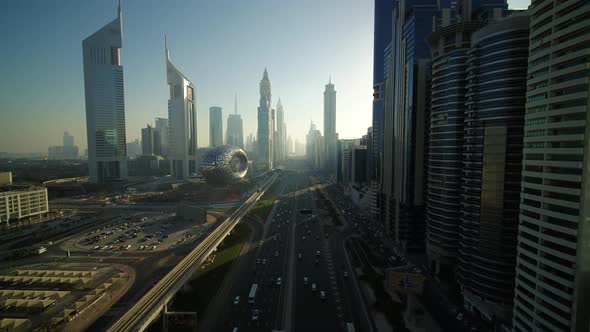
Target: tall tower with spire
(234,135)
(182,121)
(330,135)
(105,102)
(265,131)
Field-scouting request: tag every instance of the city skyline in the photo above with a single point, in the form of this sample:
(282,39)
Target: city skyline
(58,77)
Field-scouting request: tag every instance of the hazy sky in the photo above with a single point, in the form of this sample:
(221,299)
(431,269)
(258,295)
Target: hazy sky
(221,45)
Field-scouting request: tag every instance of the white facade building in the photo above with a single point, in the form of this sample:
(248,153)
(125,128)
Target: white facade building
(105,103)
(182,122)
(18,204)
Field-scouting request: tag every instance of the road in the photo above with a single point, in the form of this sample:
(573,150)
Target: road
(292,305)
(148,307)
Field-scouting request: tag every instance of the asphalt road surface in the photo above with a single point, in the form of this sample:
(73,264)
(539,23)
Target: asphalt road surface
(293,305)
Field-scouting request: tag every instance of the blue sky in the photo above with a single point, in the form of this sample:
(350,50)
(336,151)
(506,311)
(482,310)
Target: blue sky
(221,45)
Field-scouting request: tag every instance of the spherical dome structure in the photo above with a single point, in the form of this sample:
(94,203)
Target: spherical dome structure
(223,164)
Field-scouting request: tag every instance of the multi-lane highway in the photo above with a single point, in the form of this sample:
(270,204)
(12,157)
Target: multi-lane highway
(148,307)
(294,248)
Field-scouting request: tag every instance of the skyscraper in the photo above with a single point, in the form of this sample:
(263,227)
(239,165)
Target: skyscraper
(68,140)
(492,165)
(234,134)
(449,44)
(330,136)
(105,102)
(381,39)
(280,144)
(215,126)
(147,140)
(161,137)
(265,133)
(405,129)
(182,120)
(552,265)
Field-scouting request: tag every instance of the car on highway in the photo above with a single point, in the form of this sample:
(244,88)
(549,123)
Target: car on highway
(305,280)
(276,254)
(278,281)
(264,261)
(323,295)
(255,314)
(345,274)
(317,253)
(237,299)
(299,256)
(313,287)
(317,262)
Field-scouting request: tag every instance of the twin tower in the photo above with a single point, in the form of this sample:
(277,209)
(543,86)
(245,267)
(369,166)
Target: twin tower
(105,109)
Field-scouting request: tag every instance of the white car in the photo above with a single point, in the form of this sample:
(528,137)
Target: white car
(323,295)
(313,287)
(305,280)
(299,256)
(278,281)
(345,274)
(236,300)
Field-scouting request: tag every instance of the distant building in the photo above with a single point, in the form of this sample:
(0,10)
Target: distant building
(314,147)
(280,144)
(105,103)
(265,133)
(215,126)
(147,140)
(67,151)
(330,135)
(133,148)
(161,137)
(358,171)
(182,121)
(234,134)
(289,146)
(19,202)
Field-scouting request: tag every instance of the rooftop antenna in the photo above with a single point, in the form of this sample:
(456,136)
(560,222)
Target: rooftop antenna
(330,80)
(236,104)
(166,46)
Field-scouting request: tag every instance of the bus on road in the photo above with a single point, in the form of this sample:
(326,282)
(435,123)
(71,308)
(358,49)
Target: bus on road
(252,295)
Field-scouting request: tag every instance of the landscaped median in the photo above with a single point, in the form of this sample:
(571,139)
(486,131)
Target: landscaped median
(203,286)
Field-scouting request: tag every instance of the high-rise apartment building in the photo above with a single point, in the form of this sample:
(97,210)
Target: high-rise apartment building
(265,134)
(449,44)
(147,140)
(182,121)
(105,102)
(552,265)
(405,130)
(234,134)
(215,126)
(330,136)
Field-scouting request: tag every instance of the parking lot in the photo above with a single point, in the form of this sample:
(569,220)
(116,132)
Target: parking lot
(142,232)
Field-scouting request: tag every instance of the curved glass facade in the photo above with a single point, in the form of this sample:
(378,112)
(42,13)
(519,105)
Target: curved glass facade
(492,160)
(447,109)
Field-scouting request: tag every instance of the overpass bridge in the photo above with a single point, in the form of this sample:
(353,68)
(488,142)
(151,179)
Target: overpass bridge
(144,311)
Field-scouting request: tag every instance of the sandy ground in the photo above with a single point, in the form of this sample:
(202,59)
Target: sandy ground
(83,321)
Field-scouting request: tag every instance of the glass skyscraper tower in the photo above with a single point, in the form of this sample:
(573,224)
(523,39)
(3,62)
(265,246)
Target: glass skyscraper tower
(105,102)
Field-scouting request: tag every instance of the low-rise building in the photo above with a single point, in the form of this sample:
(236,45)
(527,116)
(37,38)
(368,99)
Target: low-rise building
(16,204)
